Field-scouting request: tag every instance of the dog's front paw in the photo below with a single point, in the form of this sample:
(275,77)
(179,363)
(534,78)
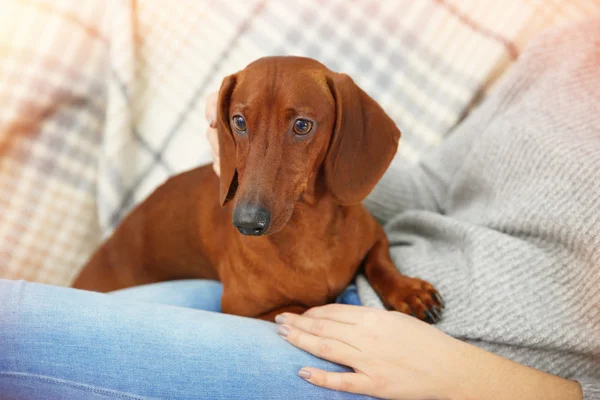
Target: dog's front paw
(418,298)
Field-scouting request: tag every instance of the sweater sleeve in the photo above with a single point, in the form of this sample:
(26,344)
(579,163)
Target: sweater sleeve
(591,388)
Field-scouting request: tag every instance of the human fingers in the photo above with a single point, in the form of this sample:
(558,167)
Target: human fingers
(210,110)
(327,349)
(344,381)
(348,314)
(323,328)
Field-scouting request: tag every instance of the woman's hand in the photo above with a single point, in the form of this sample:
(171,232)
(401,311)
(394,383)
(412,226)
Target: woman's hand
(211,132)
(393,355)
(396,356)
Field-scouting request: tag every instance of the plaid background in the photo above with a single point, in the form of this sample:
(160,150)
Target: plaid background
(102,100)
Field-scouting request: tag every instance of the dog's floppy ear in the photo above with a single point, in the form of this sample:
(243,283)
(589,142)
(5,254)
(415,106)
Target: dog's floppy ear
(227,154)
(363,144)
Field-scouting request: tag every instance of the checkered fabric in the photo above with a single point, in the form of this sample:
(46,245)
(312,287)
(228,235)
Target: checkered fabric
(103,100)
(53,58)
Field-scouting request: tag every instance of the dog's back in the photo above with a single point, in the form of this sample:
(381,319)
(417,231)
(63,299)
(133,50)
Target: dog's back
(166,237)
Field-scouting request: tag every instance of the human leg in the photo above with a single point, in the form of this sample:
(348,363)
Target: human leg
(199,294)
(191,293)
(61,343)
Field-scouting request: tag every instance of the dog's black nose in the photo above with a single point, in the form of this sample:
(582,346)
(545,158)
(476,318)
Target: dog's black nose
(251,219)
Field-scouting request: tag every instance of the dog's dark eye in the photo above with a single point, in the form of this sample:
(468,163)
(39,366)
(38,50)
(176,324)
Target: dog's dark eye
(239,123)
(302,126)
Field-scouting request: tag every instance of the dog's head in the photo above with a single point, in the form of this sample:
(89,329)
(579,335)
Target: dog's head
(289,126)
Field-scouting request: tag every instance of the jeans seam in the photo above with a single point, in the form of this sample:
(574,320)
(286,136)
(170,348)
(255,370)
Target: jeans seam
(75,385)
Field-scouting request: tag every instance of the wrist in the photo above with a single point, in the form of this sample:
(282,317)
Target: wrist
(463,368)
(486,376)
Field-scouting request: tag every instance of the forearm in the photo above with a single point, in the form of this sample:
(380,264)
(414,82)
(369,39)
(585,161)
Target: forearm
(485,376)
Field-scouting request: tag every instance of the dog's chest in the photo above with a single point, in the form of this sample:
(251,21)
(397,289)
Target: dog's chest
(268,275)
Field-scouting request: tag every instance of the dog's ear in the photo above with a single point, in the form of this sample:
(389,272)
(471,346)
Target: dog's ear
(363,144)
(227,153)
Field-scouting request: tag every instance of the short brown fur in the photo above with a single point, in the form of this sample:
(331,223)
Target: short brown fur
(320,234)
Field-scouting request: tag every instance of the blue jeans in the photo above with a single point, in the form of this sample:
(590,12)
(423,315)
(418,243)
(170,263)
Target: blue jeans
(149,342)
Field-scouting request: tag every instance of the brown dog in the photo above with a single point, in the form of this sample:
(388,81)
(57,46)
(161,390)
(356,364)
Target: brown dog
(300,148)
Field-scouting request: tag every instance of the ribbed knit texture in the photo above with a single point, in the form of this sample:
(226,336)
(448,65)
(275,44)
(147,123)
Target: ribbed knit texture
(504,217)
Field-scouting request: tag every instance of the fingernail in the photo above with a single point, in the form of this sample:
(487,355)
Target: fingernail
(280,319)
(304,374)
(283,331)
(212,121)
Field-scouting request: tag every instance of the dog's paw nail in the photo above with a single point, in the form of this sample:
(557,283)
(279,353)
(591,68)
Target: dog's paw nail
(429,318)
(437,313)
(438,297)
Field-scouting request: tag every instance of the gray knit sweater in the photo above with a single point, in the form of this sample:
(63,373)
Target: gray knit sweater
(504,218)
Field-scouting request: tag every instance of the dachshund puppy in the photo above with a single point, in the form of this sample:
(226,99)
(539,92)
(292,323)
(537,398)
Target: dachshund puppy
(283,228)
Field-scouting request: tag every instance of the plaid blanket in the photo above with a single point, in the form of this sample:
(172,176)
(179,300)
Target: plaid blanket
(101,101)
